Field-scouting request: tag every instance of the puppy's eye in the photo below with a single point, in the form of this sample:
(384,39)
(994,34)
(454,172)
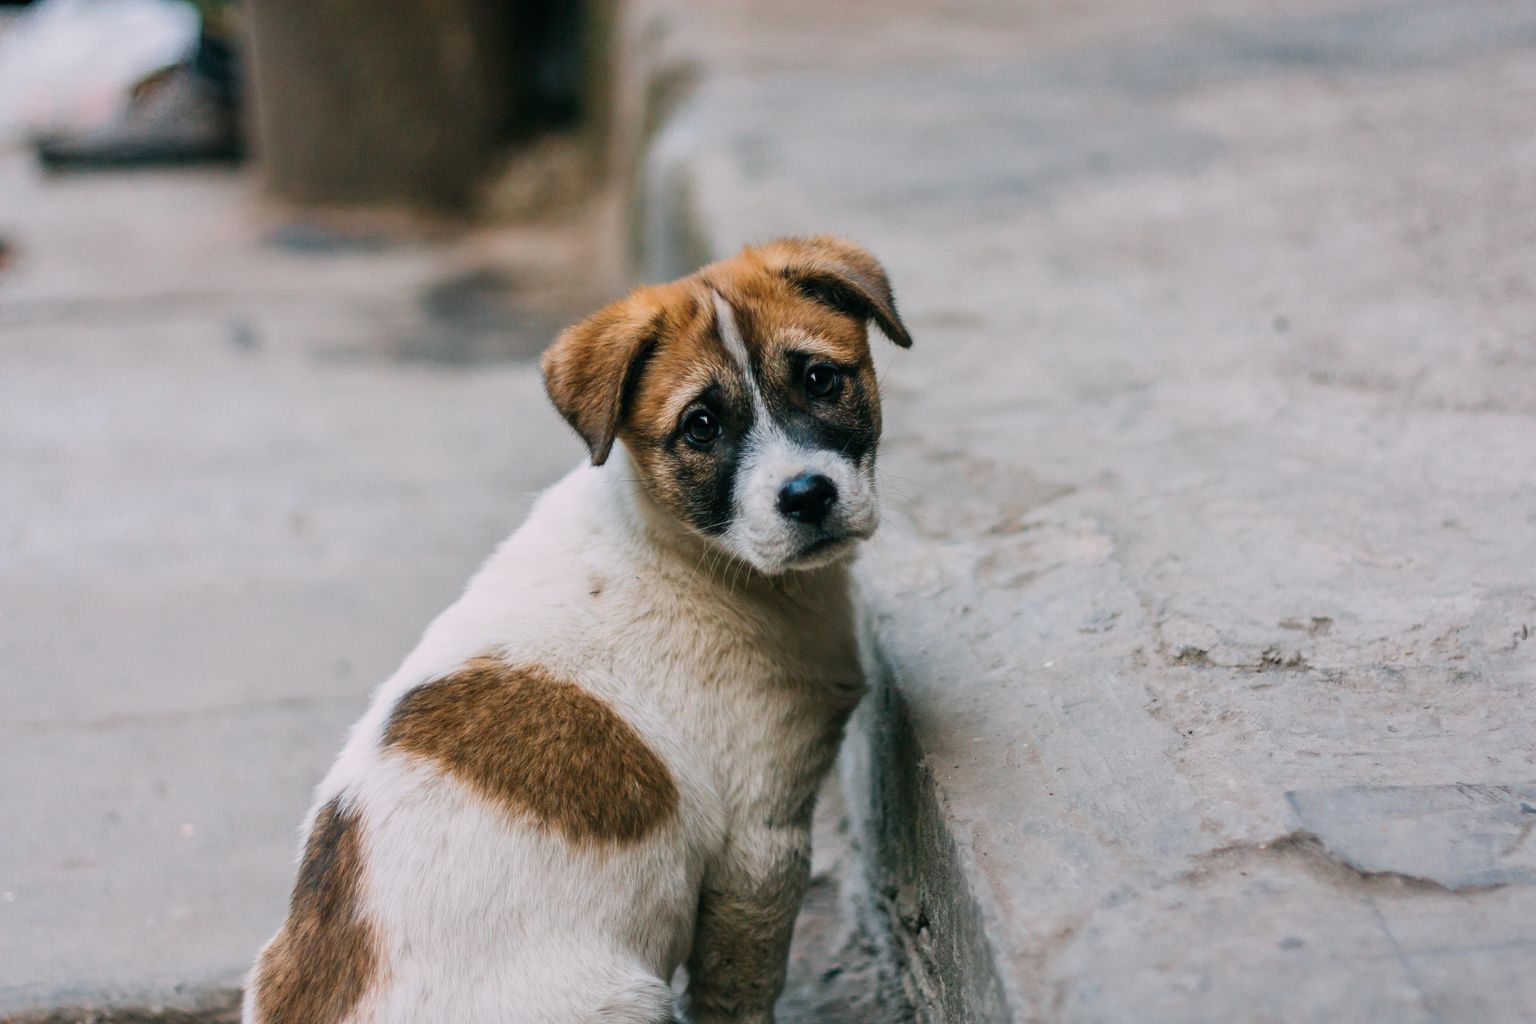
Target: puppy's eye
(822,381)
(700,428)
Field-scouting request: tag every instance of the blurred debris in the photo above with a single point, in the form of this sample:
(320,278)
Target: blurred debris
(68,66)
(312,238)
(478,315)
(547,178)
(176,116)
(243,336)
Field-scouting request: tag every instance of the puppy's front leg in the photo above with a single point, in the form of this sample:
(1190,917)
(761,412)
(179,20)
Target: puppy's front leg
(746,914)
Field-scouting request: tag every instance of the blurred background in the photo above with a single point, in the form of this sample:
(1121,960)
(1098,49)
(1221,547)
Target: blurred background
(1203,607)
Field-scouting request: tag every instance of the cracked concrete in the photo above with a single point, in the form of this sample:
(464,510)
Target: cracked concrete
(1458,837)
(1211,478)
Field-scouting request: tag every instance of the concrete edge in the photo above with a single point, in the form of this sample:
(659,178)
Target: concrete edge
(209,1001)
(919,876)
(653,76)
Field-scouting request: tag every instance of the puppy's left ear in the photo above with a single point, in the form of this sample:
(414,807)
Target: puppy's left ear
(841,275)
(591,369)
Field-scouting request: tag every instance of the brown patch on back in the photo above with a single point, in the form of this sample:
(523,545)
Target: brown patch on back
(539,746)
(322,961)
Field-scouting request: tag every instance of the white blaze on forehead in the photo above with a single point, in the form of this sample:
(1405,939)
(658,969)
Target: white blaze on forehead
(730,337)
(730,334)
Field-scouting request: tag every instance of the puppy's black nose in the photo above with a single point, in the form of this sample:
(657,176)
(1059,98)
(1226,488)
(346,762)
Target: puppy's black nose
(807,498)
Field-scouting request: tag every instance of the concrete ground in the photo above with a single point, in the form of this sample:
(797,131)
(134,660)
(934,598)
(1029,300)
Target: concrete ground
(1206,603)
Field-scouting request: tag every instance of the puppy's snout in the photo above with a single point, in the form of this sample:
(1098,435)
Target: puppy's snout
(807,498)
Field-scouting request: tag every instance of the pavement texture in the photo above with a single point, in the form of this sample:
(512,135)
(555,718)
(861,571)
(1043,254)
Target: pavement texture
(1205,614)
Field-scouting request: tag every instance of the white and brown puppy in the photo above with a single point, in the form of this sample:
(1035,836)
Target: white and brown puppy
(600,763)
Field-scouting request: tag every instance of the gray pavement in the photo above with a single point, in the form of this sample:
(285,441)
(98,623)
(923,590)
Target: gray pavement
(1206,605)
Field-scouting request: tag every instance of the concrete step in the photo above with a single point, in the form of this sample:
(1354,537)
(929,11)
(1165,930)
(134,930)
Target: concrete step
(1202,619)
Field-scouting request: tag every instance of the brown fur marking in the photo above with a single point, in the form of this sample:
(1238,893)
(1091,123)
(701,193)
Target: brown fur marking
(323,960)
(842,274)
(633,369)
(540,746)
(591,369)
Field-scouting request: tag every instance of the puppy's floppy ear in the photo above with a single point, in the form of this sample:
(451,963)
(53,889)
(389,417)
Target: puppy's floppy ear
(591,369)
(839,274)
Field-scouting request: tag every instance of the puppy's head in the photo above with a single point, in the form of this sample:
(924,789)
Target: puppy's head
(745,395)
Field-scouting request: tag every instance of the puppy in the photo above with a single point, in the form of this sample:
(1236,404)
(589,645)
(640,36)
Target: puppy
(600,763)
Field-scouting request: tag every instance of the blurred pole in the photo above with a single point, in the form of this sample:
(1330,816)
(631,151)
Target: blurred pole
(393,101)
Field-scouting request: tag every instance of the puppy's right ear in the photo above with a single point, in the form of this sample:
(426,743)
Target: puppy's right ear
(591,369)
